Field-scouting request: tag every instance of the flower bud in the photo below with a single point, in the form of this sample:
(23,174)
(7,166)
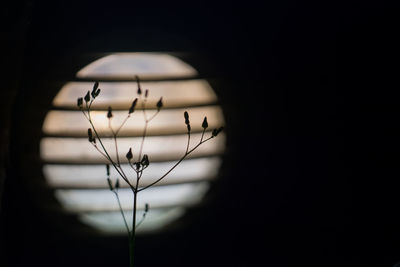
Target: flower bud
(97,92)
(215,132)
(109,113)
(139,90)
(80,102)
(145,160)
(132,108)
(108,169)
(95,86)
(146,207)
(205,123)
(159,104)
(186,115)
(90,135)
(146,93)
(137,165)
(129,155)
(117,184)
(87,96)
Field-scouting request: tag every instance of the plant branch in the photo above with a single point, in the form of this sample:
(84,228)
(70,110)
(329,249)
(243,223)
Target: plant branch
(176,164)
(122,124)
(122,212)
(141,220)
(105,150)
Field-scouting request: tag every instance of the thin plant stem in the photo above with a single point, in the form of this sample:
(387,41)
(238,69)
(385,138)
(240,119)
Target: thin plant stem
(139,166)
(105,150)
(188,143)
(142,142)
(122,124)
(202,135)
(122,213)
(141,220)
(133,232)
(116,143)
(176,164)
(146,123)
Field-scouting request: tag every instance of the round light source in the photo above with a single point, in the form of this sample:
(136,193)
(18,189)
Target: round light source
(76,170)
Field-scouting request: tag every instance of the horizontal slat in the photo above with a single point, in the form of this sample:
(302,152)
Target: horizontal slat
(94,176)
(112,222)
(121,94)
(159,148)
(122,65)
(74,123)
(158,196)
(133,79)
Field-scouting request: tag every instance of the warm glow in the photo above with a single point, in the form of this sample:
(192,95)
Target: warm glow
(145,65)
(158,196)
(183,93)
(159,148)
(75,170)
(169,121)
(110,221)
(93,176)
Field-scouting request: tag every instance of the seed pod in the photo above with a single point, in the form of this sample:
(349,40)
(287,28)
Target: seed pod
(108,169)
(145,160)
(188,127)
(110,184)
(137,165)
(97,92)
(87,96)
(109,113)
(129,155)
(117,184)
(146,207)
(95,86)
(132,108)
(159,104)
(90,135)
(215,132)
(146,93)
(139,90)
(186,115)
(205,123)
(80,102)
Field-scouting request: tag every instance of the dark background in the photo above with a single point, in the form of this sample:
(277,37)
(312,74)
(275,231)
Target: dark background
(309,91)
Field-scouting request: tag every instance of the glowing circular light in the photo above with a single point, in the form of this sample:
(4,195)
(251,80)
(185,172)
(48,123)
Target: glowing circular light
(76,170)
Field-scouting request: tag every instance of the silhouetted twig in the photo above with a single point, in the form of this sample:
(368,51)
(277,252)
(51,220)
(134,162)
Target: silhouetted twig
(142,161)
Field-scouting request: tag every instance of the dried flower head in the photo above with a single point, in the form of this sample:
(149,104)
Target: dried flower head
(109,112)
(215,132)
(159,104)
(205,123)
(132,108)
(108,169)
(87,96)
(129,155)
(139,89)
(80,102)
(145,161)
(90,135)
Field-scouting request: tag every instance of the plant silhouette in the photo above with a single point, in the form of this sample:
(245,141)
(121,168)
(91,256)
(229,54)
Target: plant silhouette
(140,164)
